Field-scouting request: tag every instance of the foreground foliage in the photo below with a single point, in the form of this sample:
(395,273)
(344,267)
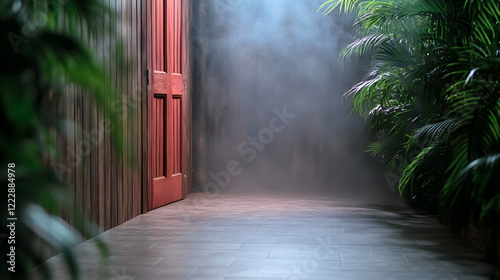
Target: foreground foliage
(41,54)
(432,97)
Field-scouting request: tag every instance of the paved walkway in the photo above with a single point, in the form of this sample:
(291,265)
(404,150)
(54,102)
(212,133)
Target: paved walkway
(233,237)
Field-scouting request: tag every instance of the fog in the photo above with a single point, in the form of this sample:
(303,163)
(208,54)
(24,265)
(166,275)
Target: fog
(275,118)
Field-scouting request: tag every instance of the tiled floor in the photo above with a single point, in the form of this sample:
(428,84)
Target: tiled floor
(235,237)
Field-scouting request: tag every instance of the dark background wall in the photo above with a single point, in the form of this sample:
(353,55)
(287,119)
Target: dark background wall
(255,57)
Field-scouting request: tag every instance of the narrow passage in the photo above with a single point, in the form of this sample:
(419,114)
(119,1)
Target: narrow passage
(282,237)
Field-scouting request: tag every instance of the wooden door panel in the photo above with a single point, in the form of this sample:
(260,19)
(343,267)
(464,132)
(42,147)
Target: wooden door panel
(159,135)
(166,99)
(176,135)
(177,81)
(161,82)
(166,190)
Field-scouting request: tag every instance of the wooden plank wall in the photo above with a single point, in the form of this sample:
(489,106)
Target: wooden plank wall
(108,185)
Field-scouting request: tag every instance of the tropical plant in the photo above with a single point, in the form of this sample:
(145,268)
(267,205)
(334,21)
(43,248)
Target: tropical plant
(41,54)
(432,95)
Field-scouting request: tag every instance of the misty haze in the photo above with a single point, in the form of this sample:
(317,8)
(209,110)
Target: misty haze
(268,56)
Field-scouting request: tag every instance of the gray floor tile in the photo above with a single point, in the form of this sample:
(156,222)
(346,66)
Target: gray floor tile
(231,237)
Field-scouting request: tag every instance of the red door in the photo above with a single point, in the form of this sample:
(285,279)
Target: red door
(166,53)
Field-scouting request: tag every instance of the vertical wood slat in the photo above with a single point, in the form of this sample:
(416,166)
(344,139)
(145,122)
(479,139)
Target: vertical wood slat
(97,163)
(167,37)
(130,120)
(153,133)
(101,181)
(113,155)
(155,136)
(154,35)
(161,151)
(158,138)
(134,53)
(158,34)
(77,117)
(105,187)
(119,72)
(126,175)
(181,37)
(173,36)
(150,35)
(161,35)
(159,133)
(90,138)
(84,148)
(144,146)
(169,136)
(177,35)
(164,112)
(179,136)
(156,133)
(156,64)
(177,144)
(180,139)
(136,117)
(175,135)
(173,50)
(71,101)
(107,139)
(141,187)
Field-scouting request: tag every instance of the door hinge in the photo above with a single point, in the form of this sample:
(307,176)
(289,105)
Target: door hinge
(147,76)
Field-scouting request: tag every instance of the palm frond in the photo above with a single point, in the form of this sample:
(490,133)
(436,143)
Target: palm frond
(478,173)
(343,5)
(436,133)
(410,173)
